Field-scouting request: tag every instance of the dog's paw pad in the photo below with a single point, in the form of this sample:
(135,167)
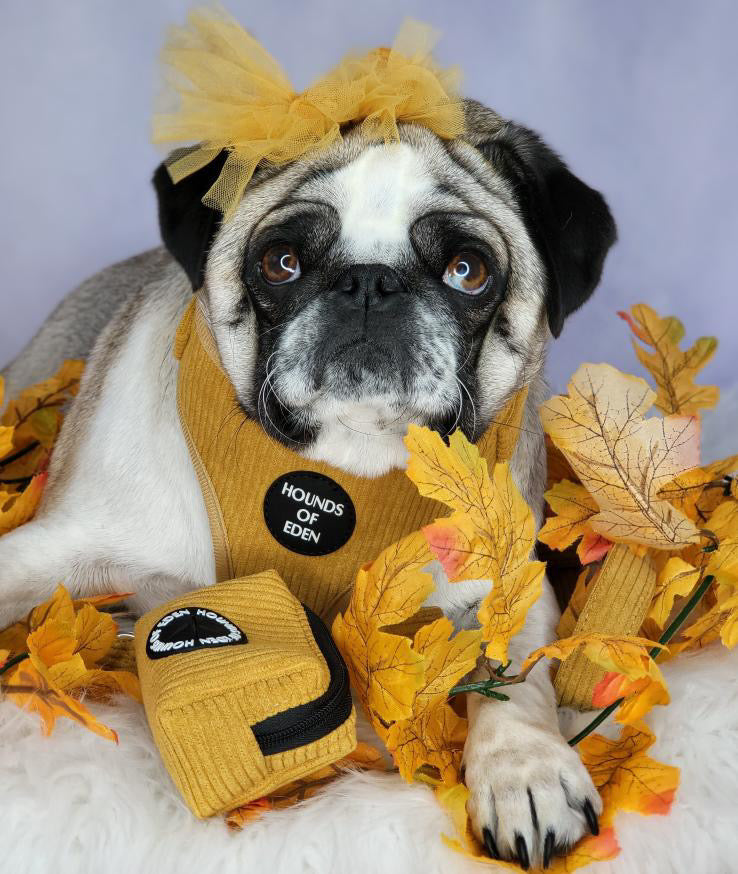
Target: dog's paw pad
(531,797)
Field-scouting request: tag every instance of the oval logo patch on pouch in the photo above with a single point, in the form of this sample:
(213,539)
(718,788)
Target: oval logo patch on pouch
(191,628)
(309,513)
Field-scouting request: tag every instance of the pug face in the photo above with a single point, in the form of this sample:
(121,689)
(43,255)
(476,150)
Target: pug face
(372,285)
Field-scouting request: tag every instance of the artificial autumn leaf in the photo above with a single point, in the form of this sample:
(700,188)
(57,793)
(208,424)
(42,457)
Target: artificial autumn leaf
(95,633)
(496,527)
(393,587)
(625,777)
(30,690)
(675,580)
(699,491)
(447,656)
(434,737)
(489,536)
(623,459)
(557,467)
(617,653)
(17,508)
(50,644)
(63,647)
(724,520)
(640,695)
(673,370)
(455,474)
(723,562)
(52,392)
(573,507)
(502,612)
(59,607)
(721,620)
(384,670)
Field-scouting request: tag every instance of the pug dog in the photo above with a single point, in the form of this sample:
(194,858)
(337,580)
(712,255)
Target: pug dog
(355,291)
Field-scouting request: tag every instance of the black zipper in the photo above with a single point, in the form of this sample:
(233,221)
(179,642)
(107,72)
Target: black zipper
(308,722)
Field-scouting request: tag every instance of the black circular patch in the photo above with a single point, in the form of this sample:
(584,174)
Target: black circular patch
(191,628)
(309,513)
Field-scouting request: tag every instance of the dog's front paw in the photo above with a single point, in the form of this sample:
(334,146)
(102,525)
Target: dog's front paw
(530,795)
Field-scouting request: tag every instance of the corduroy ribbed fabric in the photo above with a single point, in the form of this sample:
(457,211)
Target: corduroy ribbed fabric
(201,704)
(236,463)
(617,604)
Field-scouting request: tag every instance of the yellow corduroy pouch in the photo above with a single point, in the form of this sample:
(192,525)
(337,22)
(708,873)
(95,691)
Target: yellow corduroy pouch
(244,691)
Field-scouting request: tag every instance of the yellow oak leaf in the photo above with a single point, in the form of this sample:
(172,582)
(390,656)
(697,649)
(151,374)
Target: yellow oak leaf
(50,644)
(30,690)
(502,612)
(673,370)
(622,458)
(574,507)
(724,520)
(640,695)
(434,737)
(627,778)
(95,633)
(447,659)
(17,508)
(58,607)
(675,580)
(699,491)
(434,734)
(723,563)
(385,671)
(393,587)
(455,474)
(719,620)
(52,392)
(13,638)
(617,653)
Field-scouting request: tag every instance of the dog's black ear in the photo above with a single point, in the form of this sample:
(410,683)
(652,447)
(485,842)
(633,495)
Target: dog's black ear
(570,222)
(187,225)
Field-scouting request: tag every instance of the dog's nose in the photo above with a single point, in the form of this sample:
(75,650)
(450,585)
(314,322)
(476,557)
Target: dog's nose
(370,282)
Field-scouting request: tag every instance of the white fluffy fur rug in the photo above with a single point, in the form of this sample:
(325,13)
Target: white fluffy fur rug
(76,803)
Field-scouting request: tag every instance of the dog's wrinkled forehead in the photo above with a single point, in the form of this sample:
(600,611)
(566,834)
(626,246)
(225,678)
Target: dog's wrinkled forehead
(377,193)
(377,196)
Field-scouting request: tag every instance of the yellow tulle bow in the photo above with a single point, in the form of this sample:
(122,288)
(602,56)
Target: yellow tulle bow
(233,95)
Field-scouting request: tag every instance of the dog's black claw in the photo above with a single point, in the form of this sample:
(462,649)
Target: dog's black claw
(591,817)
(548,848)
(521,848)
(489,843)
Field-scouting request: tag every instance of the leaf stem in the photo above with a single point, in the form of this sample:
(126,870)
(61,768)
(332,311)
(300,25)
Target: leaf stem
(11,663)
(674,626)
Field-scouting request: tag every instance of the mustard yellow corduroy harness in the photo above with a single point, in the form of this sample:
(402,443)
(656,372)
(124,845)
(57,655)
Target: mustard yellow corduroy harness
(270,508)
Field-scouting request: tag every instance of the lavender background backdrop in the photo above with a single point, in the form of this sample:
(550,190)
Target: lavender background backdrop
(639,97)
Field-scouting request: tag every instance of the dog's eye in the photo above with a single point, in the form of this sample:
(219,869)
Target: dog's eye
(280,264)
(467,272)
